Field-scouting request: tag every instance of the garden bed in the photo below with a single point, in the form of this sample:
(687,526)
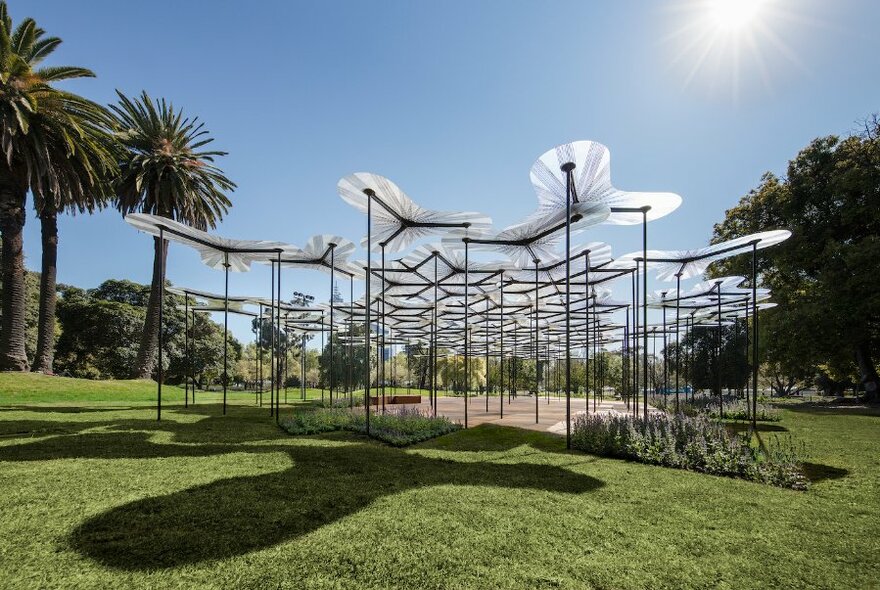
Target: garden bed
(694,443)
(399,427)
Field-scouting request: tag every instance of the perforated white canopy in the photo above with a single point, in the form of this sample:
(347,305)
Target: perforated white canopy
(215,251)
(397,220)
(592,183)
(692,263)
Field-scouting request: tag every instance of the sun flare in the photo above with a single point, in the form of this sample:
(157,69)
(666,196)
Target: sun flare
(726,44)
(733,15)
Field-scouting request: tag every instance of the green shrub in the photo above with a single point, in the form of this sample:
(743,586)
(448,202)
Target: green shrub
(694,443)
(734,408)
(398,428)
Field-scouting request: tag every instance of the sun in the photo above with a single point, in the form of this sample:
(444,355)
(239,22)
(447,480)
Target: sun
(733,15)
(726,45)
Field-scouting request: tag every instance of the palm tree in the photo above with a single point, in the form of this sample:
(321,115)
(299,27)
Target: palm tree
(48,206)
(52,144)
(165,171)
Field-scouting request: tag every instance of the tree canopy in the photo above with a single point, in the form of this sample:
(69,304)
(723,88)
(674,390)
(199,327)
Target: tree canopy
(823,277)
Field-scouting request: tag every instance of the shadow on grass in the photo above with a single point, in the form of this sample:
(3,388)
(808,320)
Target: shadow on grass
(817,472)
(331,477)
(64,409)
(745,427)
(848,407)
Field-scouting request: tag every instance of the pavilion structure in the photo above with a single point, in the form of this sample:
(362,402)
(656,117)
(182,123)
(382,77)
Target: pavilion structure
(547,295)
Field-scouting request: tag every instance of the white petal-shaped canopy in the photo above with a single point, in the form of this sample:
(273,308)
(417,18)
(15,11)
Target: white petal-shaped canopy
(694,262)
(215,251)
(592,183)
(537,238)
(318,253)
(397,220)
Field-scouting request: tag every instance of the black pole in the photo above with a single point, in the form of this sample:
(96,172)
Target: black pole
(501,360)
(677,332)
(225,325)
(466,367)
(755,337)
(367,400)
(718,363)
(567,168)
(636,347)
(381,368)
(645,307)
(332,297)
(280,360)
(260,354)
(192,368)
(665,352)
(434,341)
(587,330)
(537,379)
(272,342)
(161,319)
(487,354)
(186,349)
(351,340)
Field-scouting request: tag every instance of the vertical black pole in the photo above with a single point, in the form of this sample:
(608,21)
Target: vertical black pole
(587,330)
(225,325)
(434,341)
(350,340)
(280,347)
(381,368)
(260,353)
(665,352)
(487,354)
(332,304)
(567,168)
(192,367)
(645,308)
(501,360)
(718,362)
(186,348)
(755,335)
(677,332)
(537,372)
(367,400)
(161,319)
(272,342)
(256,366)
(466,364)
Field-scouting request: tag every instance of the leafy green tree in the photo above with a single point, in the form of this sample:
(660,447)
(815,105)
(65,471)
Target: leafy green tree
(823,277)
(55,144)
(99,329)
(166,171)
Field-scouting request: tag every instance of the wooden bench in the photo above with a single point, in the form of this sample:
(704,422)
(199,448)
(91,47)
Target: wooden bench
(391,400)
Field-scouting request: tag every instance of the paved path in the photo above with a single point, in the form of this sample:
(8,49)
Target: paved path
(520,412)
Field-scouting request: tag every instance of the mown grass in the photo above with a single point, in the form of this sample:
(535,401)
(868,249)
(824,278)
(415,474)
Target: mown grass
(106,497)
(35,388)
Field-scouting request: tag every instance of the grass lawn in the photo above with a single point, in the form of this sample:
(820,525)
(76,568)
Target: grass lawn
(94,495)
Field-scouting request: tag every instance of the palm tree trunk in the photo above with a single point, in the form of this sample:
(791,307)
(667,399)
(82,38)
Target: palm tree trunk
(46,327)
(12,326)
(146,358)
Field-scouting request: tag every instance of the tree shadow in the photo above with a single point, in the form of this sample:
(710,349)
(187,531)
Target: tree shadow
(66,409)
(852,408)
(745,427)
(329,480)
(238,515)
(817,472)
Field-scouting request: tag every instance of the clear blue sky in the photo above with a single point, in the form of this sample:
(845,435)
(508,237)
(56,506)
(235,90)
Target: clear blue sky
(454,100)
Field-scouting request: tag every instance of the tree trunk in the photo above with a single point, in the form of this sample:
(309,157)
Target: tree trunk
(46,327)
(869,379)
(12,326)
(146,357)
